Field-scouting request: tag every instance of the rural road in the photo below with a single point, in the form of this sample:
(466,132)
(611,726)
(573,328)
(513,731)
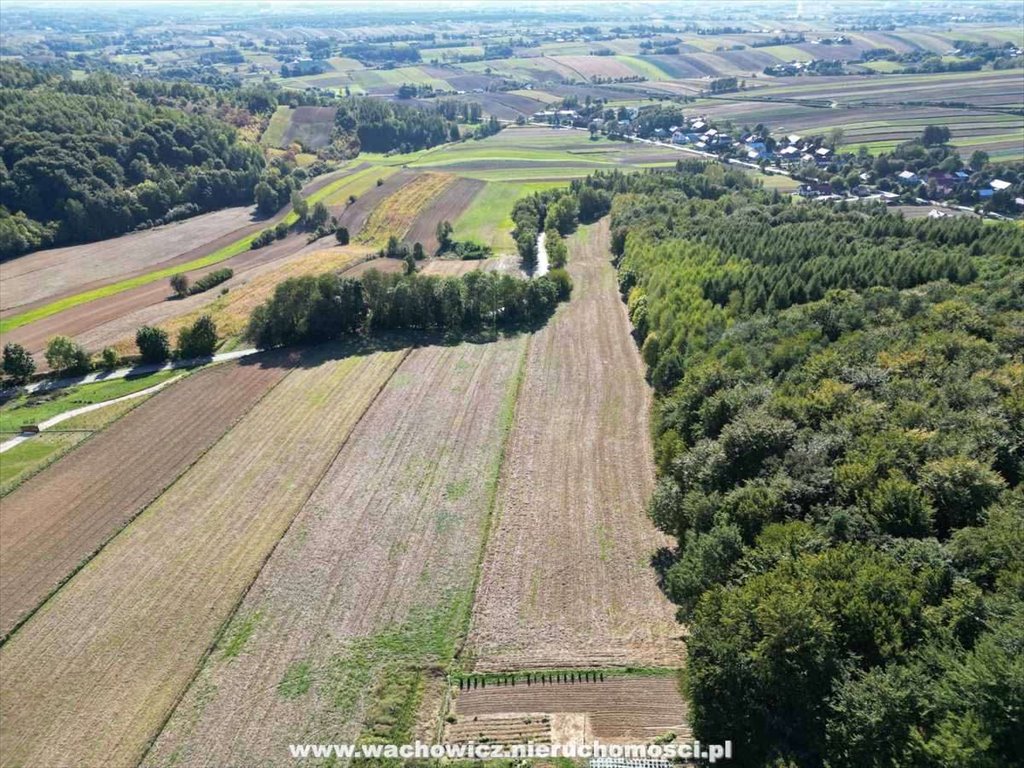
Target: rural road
(120,373)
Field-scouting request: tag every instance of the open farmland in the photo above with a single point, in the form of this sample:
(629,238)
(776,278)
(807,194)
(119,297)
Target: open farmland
(396,213)
(568,569)
(309,126)
(57,519)
(614,710)
(230,311)
(91,677)
(488,219)
(369,591)
(48,274)
(447,206)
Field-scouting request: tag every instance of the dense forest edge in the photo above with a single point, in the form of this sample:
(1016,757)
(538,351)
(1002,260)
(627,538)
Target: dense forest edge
(839,437)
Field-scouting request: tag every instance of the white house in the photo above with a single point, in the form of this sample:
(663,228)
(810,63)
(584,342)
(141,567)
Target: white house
(999,185)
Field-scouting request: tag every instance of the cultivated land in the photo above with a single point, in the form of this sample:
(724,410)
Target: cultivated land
(568,579)
(616,710)
(396,213)
(59,518)
(368,594)
(92,676)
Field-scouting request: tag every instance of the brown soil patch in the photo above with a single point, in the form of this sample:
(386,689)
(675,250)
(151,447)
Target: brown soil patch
(395,215)
(90,678)
(619,709)
(567,580)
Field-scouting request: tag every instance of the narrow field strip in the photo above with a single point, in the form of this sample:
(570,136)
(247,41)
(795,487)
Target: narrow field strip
(53,522)
(222,254)
(92,676)
(366,598)
(568,579)
(396,214)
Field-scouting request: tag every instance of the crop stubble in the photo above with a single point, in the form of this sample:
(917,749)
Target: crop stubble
(567,578)
(91,677)
(373,579)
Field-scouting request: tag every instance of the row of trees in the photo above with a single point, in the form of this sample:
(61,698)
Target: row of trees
(313,309)
(841,470)
(65,356)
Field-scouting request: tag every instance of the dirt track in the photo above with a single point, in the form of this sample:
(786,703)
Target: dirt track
(61,516)
(385,547)
(90,677)
(567,580)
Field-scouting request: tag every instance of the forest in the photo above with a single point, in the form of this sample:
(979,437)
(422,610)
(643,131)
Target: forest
(86,160)
(839,438)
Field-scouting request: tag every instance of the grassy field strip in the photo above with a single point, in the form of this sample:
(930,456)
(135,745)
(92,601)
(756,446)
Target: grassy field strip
(567,579)
(34,409)
(95,491)
(232,310)
(488,219)
(92,676)
(222,254)
(273,136)
(370,589)
(397,212)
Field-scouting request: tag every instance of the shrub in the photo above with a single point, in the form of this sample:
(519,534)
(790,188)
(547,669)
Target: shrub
(18,363)
(179,284)
(109,358)
(152,344)
(281,230)
(198,339)
(64,355)
(208,281)
(341,235)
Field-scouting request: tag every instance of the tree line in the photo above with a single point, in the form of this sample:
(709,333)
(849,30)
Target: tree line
(311,309)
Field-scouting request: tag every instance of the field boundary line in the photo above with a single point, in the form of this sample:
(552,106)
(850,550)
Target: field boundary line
(270,553)
(509,419)
(85,561)
(60,455)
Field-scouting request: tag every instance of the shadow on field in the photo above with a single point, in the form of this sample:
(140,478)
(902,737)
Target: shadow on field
(661,561)
(311,356)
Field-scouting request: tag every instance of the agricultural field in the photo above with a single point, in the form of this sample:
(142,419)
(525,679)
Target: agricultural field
(93,675)
(618,709)
(309,126)
(368,593)
(568,568)
(395,214)
(94,491)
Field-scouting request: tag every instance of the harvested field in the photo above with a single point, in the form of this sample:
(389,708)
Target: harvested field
(452,267)
(46,274)
(229,311)
(447,206)
(617,709)
(397,212)
(309,126)
(589,67)
(355,216)
(371,587)
(567,579)
(81,310)
(60,517)
(92,676)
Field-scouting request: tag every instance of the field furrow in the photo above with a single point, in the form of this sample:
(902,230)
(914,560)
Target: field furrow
(568,579)
(92,676)
(371,587)
(58,518)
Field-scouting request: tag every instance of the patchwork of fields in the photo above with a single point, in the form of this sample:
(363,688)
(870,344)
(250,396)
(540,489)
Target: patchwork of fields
(309,543)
